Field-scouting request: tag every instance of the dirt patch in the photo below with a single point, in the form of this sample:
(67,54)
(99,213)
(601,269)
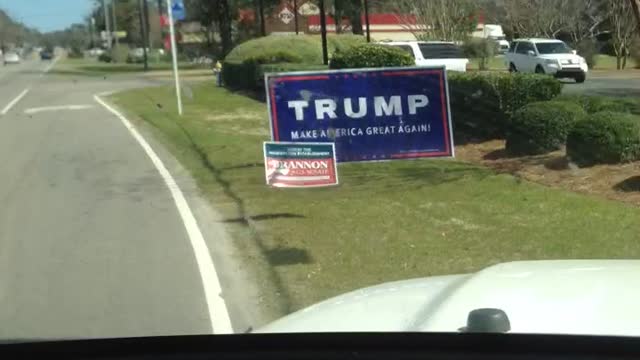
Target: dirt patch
(618,182)
(235,116)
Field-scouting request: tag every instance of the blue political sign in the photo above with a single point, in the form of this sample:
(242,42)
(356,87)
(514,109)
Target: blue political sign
(177,11)
(373,114)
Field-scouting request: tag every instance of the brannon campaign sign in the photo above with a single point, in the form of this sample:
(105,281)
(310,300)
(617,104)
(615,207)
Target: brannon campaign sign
(289,164)
(373,114)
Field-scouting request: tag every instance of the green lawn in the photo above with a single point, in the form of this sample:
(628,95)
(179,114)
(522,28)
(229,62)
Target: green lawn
(386,221)
(606,62)
(91,67)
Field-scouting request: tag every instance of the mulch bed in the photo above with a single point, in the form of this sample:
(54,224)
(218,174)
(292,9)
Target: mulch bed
(617,182)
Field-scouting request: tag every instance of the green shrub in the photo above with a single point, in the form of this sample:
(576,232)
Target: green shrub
(244,66)
(119,53)
(542,127)
(481,49)
(298,49)
(482,104)
(604,138)
(370,56)
(105,57)
(344,42)
(250,75)
(595,103)
(275,57)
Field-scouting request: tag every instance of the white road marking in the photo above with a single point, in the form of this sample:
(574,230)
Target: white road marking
(50,66)
(57,108)
(218,312)
(14,101)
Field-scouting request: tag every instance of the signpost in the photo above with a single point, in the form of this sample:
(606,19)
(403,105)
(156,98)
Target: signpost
(174,50)
(289,164)
(372,114)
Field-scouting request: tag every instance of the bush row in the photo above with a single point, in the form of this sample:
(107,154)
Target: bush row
(370,56)
(483,104)
(603,138)
(250,75)
(541,127)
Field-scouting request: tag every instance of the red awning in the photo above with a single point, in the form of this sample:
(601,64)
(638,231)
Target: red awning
(374,19)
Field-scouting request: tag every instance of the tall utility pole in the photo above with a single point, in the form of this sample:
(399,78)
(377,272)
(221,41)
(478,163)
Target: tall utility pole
(145,9)
(115,21)
(323,34)
(263,26)
(143,33)
(366,19)
(92,28)
(295,14)
(105,11)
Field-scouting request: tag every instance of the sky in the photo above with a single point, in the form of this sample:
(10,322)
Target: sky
(47,15)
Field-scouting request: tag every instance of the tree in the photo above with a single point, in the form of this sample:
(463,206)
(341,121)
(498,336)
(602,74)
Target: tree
(450,20)
(623,28)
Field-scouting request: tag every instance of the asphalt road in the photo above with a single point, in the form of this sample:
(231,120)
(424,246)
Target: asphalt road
(91,241)
(610,83)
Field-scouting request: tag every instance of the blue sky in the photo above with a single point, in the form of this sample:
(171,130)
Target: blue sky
(47,15)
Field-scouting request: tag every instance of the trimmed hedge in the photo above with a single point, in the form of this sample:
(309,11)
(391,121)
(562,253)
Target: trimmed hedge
(605,138)
(542,127)
(299,49)
(245,65)
(250,75)
(594,103)
(370,56)
(483,104)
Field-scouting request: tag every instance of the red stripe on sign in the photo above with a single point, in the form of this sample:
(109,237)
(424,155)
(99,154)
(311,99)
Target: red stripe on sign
(417,72)
(274,113)
(303,77)
(419,155)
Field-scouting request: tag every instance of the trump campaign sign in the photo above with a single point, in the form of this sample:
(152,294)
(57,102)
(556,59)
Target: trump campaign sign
(372,114)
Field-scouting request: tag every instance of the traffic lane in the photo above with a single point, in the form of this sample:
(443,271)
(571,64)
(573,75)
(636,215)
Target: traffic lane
(16,78)
(609,84)
(91,244)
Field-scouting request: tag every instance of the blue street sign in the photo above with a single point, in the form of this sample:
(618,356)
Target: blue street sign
(177,10)
(373,114)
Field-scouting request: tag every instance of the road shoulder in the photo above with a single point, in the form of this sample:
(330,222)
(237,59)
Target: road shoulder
(241,293)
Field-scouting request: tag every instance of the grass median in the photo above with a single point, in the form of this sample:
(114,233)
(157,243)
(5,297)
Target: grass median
(92,67)
(386,221)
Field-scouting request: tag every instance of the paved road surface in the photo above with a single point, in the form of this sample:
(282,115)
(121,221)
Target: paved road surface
(611,83)
(91,243)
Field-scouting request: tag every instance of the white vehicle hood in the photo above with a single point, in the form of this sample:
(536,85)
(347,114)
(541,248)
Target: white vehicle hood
(598,297)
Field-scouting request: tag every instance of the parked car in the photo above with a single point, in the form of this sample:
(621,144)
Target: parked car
(95,52)
(546,56)
(434,53)
(46,55)
(11,58)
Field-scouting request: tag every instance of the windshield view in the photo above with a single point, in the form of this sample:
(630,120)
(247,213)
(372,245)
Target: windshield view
(553,48)
(181,167)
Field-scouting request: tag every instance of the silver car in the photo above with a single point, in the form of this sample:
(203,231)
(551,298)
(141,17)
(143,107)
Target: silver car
(11,58)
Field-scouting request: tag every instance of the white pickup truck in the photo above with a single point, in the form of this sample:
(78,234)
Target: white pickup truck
(546,56)
(433,53)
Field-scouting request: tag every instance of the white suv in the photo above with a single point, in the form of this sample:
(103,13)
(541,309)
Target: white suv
(546,56)
(433,53)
